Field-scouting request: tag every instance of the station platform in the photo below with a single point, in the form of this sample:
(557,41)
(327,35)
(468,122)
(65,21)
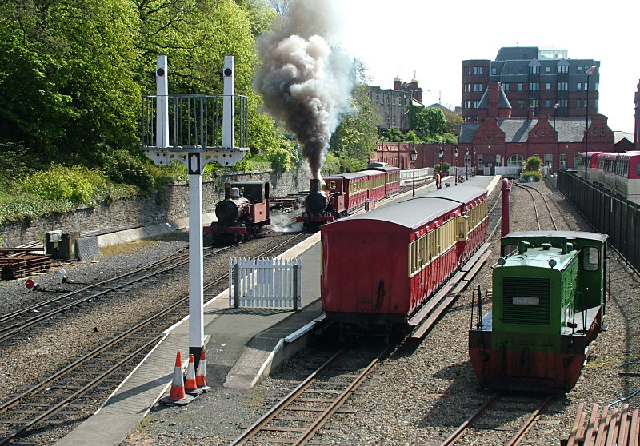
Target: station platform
(242,345)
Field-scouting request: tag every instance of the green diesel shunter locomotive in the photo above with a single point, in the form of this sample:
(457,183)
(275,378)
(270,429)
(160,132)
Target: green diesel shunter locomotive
(549,296)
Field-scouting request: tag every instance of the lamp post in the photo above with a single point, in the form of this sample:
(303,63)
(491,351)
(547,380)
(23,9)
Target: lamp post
(466,165)
(413,156)
(586,127)
(555,134)
(455,154)
(441,167)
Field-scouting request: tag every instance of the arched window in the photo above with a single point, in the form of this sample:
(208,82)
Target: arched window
(515,160)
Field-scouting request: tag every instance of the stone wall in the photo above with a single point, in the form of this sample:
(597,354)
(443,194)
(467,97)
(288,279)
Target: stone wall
(138,211)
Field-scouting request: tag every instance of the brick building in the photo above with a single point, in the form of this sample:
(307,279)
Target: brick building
(498,139)
(393,105)
(545,81)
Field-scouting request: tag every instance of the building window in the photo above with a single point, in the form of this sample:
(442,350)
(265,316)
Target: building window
(519,86)
(563,103)
(534,103)
(534,86)
(534,69)
(579,86)
(563,160)
(516,160)
(595,132)
(547,103)
(479,159)
(563,69)
(563,86)
(547,159)
(505,86)
(476,104)
(602,132)
(547,86)
(578,103)
(467,71)
(477,70)
(520,103)
(494,70)
(547,70)
(477,87)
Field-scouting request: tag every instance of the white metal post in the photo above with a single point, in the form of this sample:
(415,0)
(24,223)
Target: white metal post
(228,76)
(196,327)
(162,115)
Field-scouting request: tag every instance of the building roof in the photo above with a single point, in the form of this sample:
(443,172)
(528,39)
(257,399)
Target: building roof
(517,129)
(619,136)
(517,53)
(503,102)
(410,214)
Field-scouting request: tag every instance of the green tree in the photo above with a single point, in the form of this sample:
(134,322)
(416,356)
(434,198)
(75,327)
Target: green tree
(356,138)
(67,75)
(533,164)
(428,122)
(393,135)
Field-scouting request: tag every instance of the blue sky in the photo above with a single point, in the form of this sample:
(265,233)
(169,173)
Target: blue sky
(396,38)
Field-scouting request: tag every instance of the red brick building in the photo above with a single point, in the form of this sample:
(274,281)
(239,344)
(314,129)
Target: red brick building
(500,140)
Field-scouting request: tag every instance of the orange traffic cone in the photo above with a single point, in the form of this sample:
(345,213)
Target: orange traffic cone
(201,375)
(190,385)
(177,395)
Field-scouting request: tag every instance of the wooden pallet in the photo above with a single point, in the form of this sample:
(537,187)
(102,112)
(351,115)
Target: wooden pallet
(605,426)
(22,262)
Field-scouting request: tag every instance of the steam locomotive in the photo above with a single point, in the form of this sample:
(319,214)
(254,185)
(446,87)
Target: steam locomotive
(242,213)
(345,193)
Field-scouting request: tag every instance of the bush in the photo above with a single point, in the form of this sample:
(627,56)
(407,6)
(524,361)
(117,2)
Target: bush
(533,164)
(444,166)
(532,175)
(279,158)
(76,184)
(124,168)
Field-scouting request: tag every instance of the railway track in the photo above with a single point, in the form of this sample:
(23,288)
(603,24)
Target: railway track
(501,410)
(297,417)
(533,192)
(66,394)
(16,325)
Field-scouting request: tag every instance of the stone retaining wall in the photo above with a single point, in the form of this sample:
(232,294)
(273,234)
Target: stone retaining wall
(139,211)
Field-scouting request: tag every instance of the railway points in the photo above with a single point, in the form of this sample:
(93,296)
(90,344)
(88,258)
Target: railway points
(247,344)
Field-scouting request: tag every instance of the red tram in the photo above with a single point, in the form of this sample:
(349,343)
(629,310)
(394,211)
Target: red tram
(380,267)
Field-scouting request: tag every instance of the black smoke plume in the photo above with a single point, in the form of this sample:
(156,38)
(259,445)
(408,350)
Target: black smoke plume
(304,81)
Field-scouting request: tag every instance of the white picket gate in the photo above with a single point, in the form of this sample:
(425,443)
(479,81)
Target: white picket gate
(265,283)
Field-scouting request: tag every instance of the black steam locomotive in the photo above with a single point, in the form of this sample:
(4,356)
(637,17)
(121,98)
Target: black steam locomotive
(242,213)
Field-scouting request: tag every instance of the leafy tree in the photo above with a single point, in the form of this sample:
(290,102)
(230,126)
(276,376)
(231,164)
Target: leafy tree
(356,138)
(454,122)
(533,164)
(411,137)
(428,122)
(393,135)
(67,75)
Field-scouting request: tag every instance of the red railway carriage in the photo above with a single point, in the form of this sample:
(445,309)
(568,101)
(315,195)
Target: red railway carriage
(475,223)
(392,177)
(378,268)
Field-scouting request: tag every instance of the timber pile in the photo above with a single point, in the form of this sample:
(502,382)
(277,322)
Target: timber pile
(605,426)
(22,262)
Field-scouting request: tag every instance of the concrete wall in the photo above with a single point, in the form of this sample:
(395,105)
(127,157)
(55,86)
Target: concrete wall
(159,207)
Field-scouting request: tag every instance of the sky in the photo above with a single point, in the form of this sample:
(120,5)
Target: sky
(432,38)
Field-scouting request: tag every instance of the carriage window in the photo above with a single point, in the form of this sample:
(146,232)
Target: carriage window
(638,169)
(590,259)
(332,185)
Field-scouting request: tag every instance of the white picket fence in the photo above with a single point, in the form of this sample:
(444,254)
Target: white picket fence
(265,283)
(415,175)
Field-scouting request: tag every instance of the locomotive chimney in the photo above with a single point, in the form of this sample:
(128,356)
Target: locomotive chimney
(227,191)
(315,186)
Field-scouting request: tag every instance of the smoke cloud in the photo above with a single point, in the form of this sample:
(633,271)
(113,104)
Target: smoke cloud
(304,81)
